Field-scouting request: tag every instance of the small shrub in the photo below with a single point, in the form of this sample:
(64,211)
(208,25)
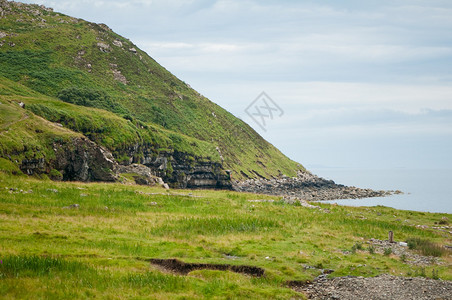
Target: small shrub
(412,243)
(91,98)
(435,274)
(371,249)
(55,175)
(387,251)
(420,272)
(403,258)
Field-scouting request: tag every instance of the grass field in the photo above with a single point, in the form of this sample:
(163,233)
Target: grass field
(101,248)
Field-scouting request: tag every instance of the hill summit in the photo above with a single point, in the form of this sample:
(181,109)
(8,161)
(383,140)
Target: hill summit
(80,102)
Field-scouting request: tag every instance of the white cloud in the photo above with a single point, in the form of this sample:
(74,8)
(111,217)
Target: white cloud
(198,48)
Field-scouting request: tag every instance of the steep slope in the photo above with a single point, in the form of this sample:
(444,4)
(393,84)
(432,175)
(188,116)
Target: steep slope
(137,108)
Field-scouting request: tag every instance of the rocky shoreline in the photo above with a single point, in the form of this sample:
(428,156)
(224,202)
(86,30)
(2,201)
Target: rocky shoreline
(307,186)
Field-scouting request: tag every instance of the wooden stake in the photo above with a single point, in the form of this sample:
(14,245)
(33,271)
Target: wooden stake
(391,237)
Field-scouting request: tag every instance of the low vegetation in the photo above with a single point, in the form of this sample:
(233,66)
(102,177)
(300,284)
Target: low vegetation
(426,247)
(102,248)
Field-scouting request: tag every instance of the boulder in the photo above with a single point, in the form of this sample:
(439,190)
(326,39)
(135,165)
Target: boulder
(103,47)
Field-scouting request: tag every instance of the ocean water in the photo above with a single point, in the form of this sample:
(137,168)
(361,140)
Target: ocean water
(424,190)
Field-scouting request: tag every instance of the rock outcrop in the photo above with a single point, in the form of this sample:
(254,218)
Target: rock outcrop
(178,169)
(308,187)
(83,160)
(141,174)
(78,159)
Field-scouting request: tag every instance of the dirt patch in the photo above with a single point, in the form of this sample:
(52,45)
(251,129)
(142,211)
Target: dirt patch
(177,266)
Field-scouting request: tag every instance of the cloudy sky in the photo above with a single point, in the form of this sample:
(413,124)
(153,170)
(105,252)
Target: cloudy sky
(363,84)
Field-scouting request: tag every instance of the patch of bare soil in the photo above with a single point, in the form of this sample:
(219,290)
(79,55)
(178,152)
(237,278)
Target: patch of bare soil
(177,266)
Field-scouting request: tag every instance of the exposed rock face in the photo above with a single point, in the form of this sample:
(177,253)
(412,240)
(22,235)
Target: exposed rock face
(197,173)
(308,187)
(83,160)
(142,175)
(79,159)
(32,166)
(179,169)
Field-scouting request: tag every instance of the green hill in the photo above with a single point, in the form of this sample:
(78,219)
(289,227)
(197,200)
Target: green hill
(80,79)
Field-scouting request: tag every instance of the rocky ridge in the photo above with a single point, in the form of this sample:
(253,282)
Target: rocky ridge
(307,186)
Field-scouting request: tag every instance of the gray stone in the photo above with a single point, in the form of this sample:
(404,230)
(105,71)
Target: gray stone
(119,77)
(83,160)
(103,47)
(72,206)
(142,174)
(117,43)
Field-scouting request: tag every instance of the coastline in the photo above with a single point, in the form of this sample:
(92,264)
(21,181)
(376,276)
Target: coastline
(308,186)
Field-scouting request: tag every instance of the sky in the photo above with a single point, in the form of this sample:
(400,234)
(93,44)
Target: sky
(359,84)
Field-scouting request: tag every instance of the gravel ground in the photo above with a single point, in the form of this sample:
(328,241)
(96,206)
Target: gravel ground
(378,288)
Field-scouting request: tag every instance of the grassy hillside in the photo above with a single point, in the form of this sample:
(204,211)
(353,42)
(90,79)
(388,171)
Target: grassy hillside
(63,59)
(101,249)
(25,135)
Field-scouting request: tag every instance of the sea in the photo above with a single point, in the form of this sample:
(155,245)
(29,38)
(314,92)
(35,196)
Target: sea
(423,190)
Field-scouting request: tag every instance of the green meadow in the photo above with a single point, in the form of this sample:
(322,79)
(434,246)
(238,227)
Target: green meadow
(102,248)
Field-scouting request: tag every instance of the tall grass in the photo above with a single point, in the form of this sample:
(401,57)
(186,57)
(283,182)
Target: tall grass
(159,281)
(217,225)
(426,247)
(20,266)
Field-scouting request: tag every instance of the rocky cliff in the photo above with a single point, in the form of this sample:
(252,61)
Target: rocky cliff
(82,160)
(78,159)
